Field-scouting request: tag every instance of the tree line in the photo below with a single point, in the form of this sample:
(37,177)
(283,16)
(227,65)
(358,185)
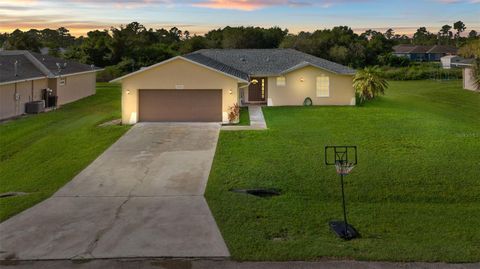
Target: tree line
(132,46)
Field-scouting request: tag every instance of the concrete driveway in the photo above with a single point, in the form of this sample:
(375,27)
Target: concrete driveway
(143,197)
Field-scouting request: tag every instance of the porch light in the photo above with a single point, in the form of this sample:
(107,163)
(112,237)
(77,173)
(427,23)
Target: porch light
(254,81)
(128,91)
(230,91)
(302,79)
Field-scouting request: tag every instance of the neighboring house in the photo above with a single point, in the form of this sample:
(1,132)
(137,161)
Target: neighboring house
(468,75)
(203,85)
(26,76)
(424,53)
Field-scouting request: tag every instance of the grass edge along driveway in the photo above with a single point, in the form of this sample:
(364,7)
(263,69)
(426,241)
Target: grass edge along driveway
(40,153)
(414,195)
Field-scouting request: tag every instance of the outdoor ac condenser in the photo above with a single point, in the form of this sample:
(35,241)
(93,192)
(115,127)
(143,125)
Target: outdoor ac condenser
(35,107)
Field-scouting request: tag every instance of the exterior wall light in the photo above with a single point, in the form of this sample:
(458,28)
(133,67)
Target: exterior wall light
(128,91)
(230,91)
(302,79)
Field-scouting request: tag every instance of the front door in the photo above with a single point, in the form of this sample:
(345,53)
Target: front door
(257,91)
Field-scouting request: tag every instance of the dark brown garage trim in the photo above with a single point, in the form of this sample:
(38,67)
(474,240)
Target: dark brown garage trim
(180,105)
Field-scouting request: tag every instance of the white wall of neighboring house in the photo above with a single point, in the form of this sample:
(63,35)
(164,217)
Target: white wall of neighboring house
(468,78)
(448,60)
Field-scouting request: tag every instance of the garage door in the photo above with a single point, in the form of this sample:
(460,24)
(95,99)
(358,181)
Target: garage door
(180,105)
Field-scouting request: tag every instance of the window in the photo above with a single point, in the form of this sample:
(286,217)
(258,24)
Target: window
(323,86)
(281,81)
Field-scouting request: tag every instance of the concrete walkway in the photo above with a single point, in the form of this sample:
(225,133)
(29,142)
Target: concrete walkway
(224,264)
(257,121)
(143,197)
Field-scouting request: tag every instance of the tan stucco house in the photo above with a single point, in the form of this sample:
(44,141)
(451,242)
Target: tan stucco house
(27,76)
(203,85)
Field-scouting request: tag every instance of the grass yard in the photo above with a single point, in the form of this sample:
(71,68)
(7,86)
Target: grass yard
(40,153)
(415,195)
(244,116)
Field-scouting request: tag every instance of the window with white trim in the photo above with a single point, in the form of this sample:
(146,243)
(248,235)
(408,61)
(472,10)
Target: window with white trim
(323,86)
(281,81)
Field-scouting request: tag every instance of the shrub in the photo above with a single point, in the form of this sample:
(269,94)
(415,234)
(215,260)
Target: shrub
(109,73)
(234,113)
(393,60)
(419,71)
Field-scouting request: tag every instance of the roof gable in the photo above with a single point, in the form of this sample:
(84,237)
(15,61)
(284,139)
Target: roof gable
(212,65)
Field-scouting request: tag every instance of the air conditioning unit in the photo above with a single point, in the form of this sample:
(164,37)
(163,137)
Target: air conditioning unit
(35,107)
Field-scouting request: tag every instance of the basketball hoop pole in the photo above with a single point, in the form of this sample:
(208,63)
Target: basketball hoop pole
(344,208)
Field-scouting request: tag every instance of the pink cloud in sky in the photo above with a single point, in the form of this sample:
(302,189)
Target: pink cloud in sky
(247,5)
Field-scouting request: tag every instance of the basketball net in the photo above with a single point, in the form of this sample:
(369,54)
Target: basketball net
(344,168)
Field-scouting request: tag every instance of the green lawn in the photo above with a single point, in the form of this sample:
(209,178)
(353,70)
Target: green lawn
(414,196)
(40,153)
(244,116)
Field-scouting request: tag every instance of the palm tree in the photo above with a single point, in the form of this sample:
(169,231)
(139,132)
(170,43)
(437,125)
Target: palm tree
(368,84)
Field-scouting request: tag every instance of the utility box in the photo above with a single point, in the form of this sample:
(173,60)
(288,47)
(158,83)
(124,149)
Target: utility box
(35,107)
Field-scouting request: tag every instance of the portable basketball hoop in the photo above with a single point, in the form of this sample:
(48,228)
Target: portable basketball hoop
(344,158)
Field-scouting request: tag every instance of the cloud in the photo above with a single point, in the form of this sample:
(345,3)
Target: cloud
(249,5)
(28,22)
(243,5)
(9,23)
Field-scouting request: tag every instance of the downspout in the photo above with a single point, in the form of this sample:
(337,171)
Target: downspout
(32,97)
(15,96)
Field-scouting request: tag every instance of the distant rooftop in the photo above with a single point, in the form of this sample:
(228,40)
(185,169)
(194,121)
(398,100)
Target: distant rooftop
(440,49)
(18,65)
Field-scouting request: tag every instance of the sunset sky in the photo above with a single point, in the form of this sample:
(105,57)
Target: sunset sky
(199,16)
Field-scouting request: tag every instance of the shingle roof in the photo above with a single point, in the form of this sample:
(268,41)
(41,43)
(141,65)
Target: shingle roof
(202,59)
(72,67)
(421,49)
(404,48)
(462,62)
(264,62)
(407,48)
(25,68)
(443,49)
(32,65)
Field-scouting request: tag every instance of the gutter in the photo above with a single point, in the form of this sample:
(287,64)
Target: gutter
(47,77)
(22,80)
(77,73)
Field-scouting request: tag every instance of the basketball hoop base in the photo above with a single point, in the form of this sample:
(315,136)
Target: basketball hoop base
(338,227)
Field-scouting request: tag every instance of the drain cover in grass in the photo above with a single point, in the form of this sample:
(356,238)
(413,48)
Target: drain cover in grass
(258,192)
(10,194)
